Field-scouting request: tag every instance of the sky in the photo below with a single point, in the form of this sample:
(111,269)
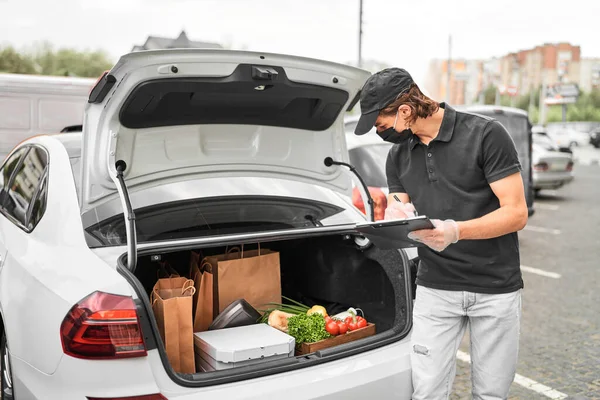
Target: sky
(395,32)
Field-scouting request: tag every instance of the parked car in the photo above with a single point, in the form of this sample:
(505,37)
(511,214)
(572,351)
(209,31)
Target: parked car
(540,135)
(570,138)
(552,168)
(181,151)
(595,138)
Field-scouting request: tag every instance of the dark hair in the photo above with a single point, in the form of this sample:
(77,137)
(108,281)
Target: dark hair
(421,105)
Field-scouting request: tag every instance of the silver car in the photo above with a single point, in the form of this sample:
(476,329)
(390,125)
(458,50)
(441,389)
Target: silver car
(552,168)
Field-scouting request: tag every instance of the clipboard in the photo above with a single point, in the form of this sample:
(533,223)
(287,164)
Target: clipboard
(393,234)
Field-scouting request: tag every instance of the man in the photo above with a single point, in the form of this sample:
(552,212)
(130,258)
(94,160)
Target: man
(462,171)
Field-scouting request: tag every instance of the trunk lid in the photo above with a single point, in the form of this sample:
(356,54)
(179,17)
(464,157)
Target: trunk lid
(176,115)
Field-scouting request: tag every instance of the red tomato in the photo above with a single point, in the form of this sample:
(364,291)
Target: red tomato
(343,327)
(332,328)
(361,323)
(348,320)
(352,326)
(327,319)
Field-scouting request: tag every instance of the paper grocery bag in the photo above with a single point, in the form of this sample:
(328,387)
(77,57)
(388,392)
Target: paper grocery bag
(253,275)
(203,297)
(172,306)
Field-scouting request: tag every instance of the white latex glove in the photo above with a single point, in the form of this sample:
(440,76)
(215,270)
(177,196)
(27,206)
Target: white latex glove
(445,233)
(399,210)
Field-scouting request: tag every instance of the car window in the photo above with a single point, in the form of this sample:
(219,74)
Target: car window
(7,202)
(25,183)
(369,161)
(39,206)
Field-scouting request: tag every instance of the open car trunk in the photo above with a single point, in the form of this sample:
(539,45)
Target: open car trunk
(329,270)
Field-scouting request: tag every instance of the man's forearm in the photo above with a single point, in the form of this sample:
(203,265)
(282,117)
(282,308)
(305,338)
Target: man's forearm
(506,219)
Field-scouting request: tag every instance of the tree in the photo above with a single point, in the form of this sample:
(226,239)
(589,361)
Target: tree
(43,59)
(489,95)
(13,62)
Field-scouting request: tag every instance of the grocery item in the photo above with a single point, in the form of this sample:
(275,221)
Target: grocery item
(238,313)
(241,346)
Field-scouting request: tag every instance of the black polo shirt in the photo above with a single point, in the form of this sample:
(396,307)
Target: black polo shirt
(450,179)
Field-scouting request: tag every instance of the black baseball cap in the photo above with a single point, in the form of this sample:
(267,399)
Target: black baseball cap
(379,91)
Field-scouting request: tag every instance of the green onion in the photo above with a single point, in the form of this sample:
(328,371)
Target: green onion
(294,308)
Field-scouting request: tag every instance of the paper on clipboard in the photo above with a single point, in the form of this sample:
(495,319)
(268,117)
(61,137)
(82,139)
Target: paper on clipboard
(393,234)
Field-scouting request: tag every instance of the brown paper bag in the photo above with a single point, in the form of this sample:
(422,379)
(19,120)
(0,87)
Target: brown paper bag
(172,306)
(203,297)
(251,275)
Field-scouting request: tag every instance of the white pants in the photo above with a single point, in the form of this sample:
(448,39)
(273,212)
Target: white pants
(439,322)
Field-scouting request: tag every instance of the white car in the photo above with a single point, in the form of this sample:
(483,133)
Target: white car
(570,138)
(552,168)
(191,150)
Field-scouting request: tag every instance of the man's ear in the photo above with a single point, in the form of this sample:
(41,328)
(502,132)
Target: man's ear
(405,111)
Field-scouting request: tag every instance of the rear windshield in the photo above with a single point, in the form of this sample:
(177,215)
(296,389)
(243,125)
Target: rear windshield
(244,97)
(211,217)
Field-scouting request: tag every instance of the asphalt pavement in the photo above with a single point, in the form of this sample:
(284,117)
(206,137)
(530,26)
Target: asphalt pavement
(559,354)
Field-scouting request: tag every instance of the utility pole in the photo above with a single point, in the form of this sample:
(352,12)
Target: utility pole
(449,68)
(360,13)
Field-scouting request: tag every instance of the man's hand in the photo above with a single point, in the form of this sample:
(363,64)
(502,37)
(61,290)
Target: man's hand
(399,210)
(445,233)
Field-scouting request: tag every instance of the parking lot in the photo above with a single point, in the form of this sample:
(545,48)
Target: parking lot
(560,329)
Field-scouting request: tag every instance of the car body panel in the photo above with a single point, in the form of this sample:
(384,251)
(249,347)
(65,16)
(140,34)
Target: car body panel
(382,373)
(47,271)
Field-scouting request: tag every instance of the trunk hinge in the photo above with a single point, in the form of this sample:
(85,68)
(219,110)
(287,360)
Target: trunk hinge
(129,217)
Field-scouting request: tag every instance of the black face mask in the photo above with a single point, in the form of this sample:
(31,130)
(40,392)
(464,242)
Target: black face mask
(393,136)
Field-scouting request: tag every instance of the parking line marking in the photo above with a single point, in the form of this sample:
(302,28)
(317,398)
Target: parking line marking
(539,229)
(520,380)
(540,272)
(549,207)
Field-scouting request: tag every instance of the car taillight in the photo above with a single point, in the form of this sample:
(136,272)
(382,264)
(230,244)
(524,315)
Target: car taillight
(103,326)
(570,166)
(156,396)
(379,202)
(541,167)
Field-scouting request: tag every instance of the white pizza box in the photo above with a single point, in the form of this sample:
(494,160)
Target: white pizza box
(242,345)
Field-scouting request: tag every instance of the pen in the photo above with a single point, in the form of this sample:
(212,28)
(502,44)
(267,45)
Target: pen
(400,201)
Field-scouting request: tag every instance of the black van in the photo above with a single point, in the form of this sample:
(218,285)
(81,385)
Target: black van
(516,122)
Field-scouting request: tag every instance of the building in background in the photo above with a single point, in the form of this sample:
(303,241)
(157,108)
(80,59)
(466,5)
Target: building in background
(467,80)
(180,42)
(527,70)
(589,75)
(514,74)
